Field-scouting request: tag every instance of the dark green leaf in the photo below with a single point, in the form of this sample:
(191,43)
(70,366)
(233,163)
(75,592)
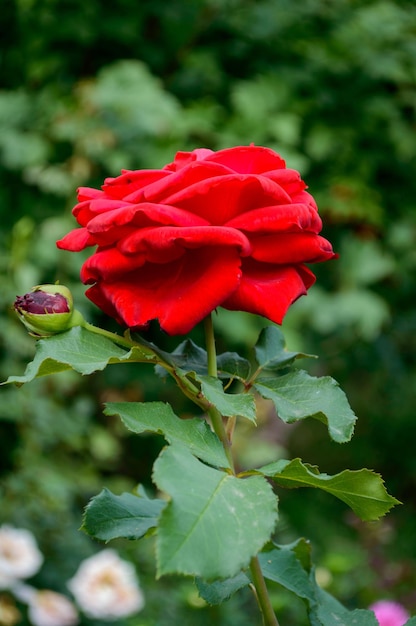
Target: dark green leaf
(214,522)
(232,365)
(188,357)
(298,395)
(191,358)
(108,516)
(221,590)
(270,350)
(158,417)
(362,490)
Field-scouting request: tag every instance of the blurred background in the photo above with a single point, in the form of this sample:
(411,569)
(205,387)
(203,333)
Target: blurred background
(89,88)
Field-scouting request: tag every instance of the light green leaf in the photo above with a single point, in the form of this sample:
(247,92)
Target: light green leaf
(214,522)
(158,417)
(108,516)
(362,490)
(228,404)
(221,590)
(270,350)
(298,395)
(81,350)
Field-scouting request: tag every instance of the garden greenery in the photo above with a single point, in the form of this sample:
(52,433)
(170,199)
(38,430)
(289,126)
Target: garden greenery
(329,87)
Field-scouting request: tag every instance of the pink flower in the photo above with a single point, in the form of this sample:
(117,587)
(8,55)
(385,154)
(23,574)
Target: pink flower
(389,613)
(19,555)
(48,608)
(106,587)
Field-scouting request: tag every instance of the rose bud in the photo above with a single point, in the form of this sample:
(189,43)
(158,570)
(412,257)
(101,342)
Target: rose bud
(47,310)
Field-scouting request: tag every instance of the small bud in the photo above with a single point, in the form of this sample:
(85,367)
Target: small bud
(47,310)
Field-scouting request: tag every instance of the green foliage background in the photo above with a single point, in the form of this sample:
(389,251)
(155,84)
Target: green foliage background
(89,88)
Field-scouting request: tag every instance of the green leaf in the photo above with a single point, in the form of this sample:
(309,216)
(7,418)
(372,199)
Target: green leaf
(108,516)
(228,404)
(187,356)
(232,365)
(411,622)
(81,350)
(270,350)
(362,490)
(214,522)
(191,358)
(282,565)
(327,611)
(221,590)
(158,417)
(298,395)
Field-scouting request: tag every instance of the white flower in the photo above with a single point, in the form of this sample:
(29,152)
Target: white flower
(19,555)
(105,586)
(49,608)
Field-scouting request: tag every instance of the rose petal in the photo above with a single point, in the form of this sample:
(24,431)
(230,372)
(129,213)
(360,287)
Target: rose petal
(88,193)
(127,183)
(76,240)
(110,263)
(185,158)
(179,294)
(248,159)
(193,173)
(154,240)
(143,215)
(269,290)
(220,199)
(303,197)
(283,217)
(291,248)
(289,179)
(89,209)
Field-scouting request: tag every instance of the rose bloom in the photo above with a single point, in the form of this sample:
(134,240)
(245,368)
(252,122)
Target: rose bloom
(390,613)
(48,608)
(19,555)
(106,587)
(232,228)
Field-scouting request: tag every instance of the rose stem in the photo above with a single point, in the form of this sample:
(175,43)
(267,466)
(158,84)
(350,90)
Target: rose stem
(214,414)
(262,595)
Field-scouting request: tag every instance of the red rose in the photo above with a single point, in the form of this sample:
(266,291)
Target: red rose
(232,228)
